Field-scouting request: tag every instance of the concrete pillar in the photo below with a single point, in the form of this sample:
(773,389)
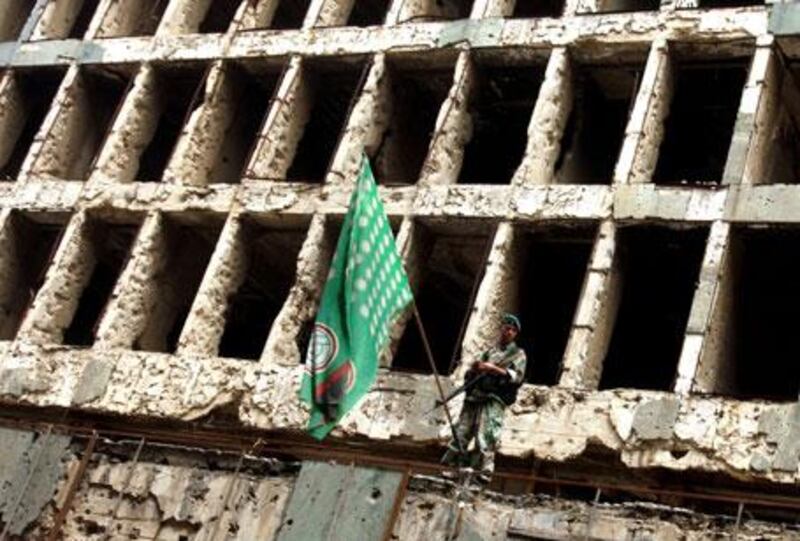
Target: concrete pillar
(453,128)
(549,119)
(756,119)
(300,307)
(283,128)
(202,135)
(645,130)
(68,274)
(205,323)
(44,157)
(132,131)
(133,299)
(496,295)
(595,316)
(367,122)
(704,365)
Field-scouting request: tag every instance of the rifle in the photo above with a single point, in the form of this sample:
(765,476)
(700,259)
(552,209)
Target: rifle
(502,386)
(469,384)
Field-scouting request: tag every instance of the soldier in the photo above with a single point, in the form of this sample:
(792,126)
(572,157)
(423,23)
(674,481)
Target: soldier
(502,369)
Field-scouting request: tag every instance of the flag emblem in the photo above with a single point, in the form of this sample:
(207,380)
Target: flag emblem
(366,291)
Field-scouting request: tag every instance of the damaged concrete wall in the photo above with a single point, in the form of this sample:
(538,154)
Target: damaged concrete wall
(430,511)
(746,439)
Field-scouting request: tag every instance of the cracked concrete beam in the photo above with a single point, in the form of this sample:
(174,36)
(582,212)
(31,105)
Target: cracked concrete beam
(42,158)
(205,323)
(700,362)
(68,274)
(300,306)
(201,139)
(57,19)
(709,341)
(132,299)
(496,295)
(330,12)
(547,124)
(283,128)
(645,130)
(755,120)
(258,14)
(183,17)
(132,131)
(363,129)
(595,316)
(453,128)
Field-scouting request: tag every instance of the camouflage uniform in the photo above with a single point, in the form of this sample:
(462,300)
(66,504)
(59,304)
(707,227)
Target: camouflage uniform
(482,414)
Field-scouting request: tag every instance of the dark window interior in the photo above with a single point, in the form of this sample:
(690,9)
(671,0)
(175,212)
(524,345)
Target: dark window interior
(765,297)
(111,245)
(613,6)
(699,127)
(417,96)
(501,111)
(180,92)
(290,14)
(553,267)
(333,93)
(148,24)
(256,90)
(660,267)
(38,88)
(84,19)
(219,16)
(104,91)
(188,250)
(32,247)
(271,256)
(451,265)
(596,127)
(538,8)
(454,9)
(368,13)
(21,10)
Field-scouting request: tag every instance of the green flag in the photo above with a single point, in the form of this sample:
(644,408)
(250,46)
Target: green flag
(367,289)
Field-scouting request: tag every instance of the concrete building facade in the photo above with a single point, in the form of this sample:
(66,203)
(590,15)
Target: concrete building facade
(622,174)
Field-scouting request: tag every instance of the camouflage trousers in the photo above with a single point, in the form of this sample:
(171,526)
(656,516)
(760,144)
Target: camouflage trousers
(481,421)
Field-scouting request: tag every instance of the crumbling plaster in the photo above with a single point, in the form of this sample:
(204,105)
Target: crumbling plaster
(428,510)
(277,142)
(57,19)
(744,439)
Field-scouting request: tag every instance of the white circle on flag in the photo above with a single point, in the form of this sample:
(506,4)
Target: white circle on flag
(364,310)
(361,284)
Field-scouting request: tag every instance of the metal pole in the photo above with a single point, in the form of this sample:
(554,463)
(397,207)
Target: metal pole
(738,521)
(435,371)
(73,488)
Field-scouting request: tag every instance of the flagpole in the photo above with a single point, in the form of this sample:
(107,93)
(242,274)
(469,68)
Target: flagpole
(435,371)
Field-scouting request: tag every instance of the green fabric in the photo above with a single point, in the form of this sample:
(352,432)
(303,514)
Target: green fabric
(366,290)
